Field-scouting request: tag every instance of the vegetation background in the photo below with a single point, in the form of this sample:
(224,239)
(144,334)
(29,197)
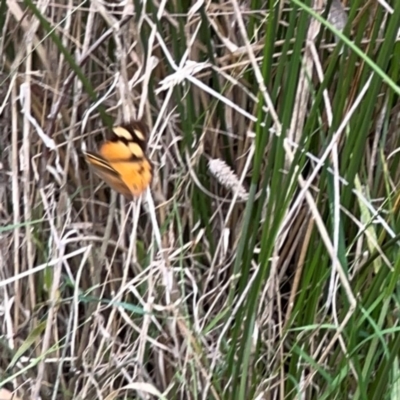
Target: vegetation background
(265,264)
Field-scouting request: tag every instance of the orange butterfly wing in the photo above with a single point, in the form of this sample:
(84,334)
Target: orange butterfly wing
(122,163)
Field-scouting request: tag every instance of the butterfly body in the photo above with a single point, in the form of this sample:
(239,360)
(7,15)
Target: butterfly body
(122,162)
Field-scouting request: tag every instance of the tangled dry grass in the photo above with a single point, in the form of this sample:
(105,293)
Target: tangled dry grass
(246,271)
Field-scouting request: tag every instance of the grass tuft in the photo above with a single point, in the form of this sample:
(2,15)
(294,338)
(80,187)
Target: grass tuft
(263,262)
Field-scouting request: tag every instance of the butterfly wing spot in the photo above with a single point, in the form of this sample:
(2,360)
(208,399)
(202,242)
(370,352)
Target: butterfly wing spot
(122,132)
(139,135)
(135,149)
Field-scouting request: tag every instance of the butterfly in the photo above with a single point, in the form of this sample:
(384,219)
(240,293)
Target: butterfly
(121,161)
